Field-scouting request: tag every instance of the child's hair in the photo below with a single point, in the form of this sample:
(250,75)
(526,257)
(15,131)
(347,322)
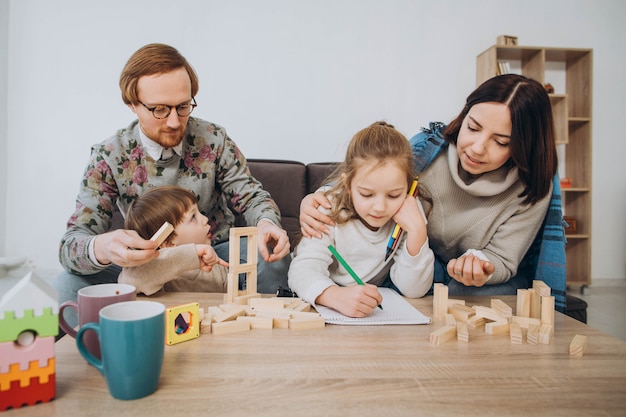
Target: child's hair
(149,211)
(379,142)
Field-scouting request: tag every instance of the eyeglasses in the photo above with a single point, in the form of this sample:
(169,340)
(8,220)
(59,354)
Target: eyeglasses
(163,111)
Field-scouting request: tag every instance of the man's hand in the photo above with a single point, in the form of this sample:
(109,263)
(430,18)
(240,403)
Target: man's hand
(470,271)
(312,221)
(124,248)
(274,237)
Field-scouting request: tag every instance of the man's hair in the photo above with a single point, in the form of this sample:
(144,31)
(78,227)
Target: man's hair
(155,58)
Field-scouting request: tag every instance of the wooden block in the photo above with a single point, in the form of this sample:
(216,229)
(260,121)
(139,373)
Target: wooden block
(547,309)
(304,314)
(525,322)
(442,335)
(307,323)
(475,322)
(516,334)
(449,320)
(462,334)
(578,346)
(523,303)
(282,313)
(281,322)
(290,303)
(541,288)
(440,301)
(535,304)
(501,307)
(245,299)
(258,322)
(162,234)
(213,312)
(229,306)
(230,327)
(532,336)
(545,333)
(488,313)
(452,302)
(461,312)
(497,327)
(205,326)
(302,307)
(230,314)
(266,303)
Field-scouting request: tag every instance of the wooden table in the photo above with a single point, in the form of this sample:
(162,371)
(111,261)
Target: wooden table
(358,371)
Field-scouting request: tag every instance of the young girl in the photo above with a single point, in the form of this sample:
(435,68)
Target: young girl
(368,198)
(186,261)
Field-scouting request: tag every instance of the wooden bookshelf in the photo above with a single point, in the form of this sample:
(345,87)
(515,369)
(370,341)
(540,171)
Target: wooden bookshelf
(569,70)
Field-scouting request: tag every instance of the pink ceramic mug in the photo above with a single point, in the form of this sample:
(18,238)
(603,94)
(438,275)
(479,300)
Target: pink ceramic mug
(89,302)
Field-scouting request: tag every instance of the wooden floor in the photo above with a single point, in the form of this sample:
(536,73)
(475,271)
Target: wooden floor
(606,309)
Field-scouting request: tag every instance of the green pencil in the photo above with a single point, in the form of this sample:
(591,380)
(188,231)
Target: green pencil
(342,261)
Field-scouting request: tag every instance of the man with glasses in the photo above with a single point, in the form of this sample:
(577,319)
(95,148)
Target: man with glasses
(164,146)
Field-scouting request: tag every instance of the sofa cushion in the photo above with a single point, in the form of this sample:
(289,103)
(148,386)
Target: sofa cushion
(316,173)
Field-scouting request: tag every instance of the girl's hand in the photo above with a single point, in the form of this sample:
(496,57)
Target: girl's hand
(411,220)
(208,258)
(312,221)
(470,271)
(352,301)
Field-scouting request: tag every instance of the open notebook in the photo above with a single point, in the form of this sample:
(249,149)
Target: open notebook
(396,310)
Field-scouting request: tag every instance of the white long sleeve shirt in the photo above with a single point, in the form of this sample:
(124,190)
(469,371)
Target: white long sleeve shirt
(313,268)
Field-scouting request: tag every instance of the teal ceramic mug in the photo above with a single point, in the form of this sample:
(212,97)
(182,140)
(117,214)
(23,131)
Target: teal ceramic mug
(132,340)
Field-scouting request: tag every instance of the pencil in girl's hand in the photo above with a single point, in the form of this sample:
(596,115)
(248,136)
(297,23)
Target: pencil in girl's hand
(343,263)
(397,230)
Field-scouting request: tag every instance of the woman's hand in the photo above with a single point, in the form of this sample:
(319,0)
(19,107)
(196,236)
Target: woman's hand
(312,221)
(470,271)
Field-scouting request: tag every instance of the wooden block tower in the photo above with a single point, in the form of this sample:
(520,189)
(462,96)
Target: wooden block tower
(233,295)
(29,321)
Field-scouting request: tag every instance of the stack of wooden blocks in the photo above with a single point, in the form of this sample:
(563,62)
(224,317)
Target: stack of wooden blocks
(245,310)
(534,313)
(261,313)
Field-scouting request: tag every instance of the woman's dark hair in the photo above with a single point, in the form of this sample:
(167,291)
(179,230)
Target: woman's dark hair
(533,148)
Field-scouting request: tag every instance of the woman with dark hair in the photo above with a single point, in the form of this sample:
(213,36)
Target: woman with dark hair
(489,187)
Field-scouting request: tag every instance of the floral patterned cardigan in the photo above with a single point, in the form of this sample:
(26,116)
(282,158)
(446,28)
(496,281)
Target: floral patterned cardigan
(119,170)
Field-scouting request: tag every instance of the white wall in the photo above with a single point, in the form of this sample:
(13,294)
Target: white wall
(4,39)
(288,79)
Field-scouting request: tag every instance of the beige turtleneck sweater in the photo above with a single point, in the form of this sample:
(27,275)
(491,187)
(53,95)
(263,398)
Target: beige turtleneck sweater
(482,213)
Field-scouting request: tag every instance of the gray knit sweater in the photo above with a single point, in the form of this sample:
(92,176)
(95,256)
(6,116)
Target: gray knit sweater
(485,214)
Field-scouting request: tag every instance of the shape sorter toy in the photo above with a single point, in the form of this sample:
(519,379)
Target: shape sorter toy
(29,321)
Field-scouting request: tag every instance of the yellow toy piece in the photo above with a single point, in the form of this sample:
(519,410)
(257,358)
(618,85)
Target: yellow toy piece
(182,323)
